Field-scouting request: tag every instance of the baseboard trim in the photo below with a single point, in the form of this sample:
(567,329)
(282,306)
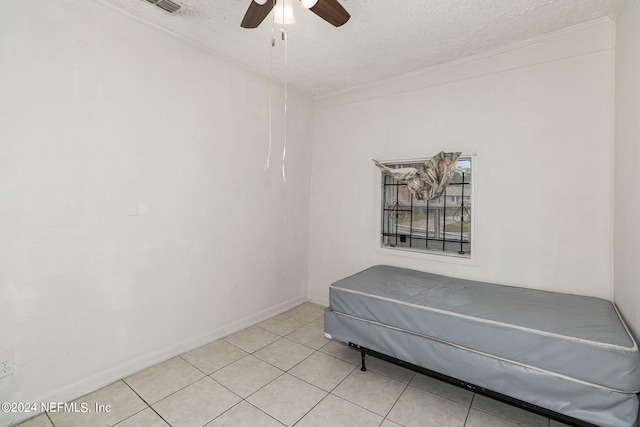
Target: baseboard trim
(80,388)
(320,300)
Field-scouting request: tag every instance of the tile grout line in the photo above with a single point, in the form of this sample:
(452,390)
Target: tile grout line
(502,417)
(203,372)
(396,402)
(169,395)
(265,361)
(205,375)
(517,421)
(247,355)
(148,406)
(469,410)
(243,399)
(281,314)
(384,417)
(301,379)
(330,391)
(314,406)
(49,418)
(448,398)
(269,415)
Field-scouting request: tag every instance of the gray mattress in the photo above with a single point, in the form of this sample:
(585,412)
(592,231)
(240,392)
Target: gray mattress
(572,354)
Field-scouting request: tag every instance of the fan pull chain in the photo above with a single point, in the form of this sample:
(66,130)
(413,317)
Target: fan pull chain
(273,43)
(284,148)
(286,94)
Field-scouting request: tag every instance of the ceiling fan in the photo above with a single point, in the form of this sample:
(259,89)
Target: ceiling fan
(329,10)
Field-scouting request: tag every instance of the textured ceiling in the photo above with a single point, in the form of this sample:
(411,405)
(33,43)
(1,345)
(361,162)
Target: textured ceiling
(383,38)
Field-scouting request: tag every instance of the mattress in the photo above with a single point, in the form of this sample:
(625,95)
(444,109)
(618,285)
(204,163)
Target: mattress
(574,399)
(566,334)
(582,342)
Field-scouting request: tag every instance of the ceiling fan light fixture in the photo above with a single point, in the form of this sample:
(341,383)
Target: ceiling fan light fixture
(329,10)
(283,12)
(308,3)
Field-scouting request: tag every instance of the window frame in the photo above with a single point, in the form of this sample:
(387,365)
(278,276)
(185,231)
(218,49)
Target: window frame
(432,255)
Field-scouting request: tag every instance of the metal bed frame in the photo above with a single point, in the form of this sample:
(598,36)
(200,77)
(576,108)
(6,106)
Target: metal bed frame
(468,386)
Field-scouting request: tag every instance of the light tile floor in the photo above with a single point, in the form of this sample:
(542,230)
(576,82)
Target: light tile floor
(284,372)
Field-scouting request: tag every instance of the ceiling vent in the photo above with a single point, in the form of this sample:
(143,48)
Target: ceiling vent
(167,5)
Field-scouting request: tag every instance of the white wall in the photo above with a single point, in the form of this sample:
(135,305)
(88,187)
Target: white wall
(626,236)
(102,117)
(539,117)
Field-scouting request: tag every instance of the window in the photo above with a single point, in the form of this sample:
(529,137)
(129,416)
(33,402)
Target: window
(441,226)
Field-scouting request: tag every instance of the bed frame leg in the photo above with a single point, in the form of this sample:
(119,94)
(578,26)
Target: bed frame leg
(363,354)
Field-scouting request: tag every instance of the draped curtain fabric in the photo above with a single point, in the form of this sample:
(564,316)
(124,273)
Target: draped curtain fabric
(429,181)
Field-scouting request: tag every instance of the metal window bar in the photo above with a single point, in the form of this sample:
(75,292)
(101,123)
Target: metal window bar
(426,227)
(395,211)
(411,222)
(444,221)
(461,251)
(397,215)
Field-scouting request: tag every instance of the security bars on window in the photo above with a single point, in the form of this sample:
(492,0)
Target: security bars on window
(437,226)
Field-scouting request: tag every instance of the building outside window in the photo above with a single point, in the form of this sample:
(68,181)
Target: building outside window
(440,226)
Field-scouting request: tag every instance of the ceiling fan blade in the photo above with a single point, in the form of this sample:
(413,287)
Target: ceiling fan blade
(256,14)
(331,11)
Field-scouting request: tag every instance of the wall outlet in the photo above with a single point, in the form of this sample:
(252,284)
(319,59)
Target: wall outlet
(6,364)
